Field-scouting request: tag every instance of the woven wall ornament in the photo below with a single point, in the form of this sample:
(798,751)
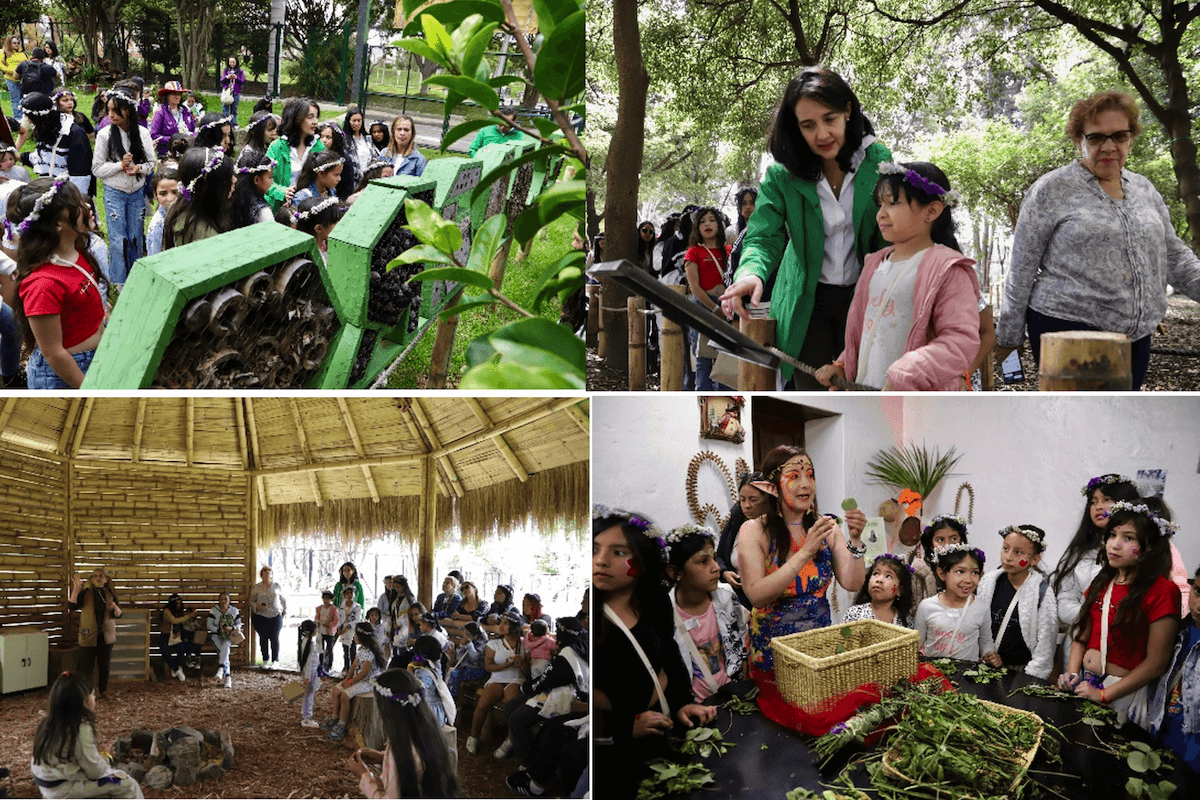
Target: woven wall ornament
(970,501)
(700,513)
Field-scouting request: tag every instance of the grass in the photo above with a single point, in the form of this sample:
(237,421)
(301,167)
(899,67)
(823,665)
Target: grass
(520,282)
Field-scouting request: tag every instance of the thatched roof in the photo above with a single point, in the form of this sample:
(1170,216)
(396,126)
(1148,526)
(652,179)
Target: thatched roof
(352,466)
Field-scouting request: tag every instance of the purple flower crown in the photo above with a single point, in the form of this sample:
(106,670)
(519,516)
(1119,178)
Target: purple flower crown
(960,547)
(951,197)
(42,201)
(1103,480)
(893,558)
(186,191)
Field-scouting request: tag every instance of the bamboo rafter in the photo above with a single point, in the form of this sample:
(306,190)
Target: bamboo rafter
(358,448)
(313,479)
(498,439)
(138,427)
(435,445)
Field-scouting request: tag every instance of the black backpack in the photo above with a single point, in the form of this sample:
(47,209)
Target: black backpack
(31,74)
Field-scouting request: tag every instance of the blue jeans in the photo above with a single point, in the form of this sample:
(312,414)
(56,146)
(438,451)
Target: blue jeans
(41,375)
(231,110)
(14,91)
(126,212)
(10,342)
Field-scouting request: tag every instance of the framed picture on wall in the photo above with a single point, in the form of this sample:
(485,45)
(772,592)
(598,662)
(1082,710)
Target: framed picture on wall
(721,418)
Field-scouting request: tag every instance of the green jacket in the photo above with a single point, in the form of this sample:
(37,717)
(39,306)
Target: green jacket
(281,151)
(492,135)
(787,232)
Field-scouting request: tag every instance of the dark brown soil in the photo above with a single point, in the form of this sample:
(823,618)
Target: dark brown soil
(276,756)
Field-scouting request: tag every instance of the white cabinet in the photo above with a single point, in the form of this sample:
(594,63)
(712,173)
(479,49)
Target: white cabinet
(23,660)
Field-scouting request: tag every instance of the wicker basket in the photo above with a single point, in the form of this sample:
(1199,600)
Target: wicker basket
(810,672)
(1022,760)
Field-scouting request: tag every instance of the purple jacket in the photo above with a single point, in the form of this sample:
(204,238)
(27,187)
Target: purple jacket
(233,79)
(163,127)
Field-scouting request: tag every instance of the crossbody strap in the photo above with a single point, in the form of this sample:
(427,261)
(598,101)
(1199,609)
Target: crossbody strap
(1104,625)
(616,620)
(958,627)
(1012,604)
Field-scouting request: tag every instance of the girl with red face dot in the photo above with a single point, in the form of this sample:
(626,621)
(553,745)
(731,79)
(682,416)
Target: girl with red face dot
(887,595)
(1023,628)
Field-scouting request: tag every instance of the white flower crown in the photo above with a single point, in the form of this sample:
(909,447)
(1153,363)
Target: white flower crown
(959,547)
(1167,527)
(677,535)
(1028,533)
(318,208)
(1103,480)
(329,166)
(940,518)
(403,699)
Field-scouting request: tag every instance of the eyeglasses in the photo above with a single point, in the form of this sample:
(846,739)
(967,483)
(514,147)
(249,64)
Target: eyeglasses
(647,230)
(1098,139)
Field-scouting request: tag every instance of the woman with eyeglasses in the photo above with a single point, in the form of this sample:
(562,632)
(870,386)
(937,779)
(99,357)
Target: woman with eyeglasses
(646,244)
(1094,247)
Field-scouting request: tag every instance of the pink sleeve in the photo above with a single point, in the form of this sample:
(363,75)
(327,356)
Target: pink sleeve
(1179,576)
(937,364)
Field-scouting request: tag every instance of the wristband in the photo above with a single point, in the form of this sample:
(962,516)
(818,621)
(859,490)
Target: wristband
(1103,698)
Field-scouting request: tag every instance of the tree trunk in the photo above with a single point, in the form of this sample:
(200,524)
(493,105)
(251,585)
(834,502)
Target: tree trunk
(1177,121)
(115,46)
(196,19)
(623,170)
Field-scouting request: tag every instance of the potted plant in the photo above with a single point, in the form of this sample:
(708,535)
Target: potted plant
(911,467)
(91,77)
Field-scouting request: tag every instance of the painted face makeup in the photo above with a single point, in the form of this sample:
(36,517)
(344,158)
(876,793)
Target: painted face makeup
(614,564)
(797,483)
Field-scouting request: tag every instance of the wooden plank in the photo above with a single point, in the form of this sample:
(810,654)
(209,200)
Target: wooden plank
(243,447)
(138,427)
(190,431)
(9,406)
(69,426)
(256,452)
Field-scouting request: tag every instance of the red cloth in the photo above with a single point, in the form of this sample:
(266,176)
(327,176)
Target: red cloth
(1126,646)
(710,269)
(53,289)
(817,723)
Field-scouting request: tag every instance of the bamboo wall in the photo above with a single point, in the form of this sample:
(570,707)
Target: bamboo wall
(154,529)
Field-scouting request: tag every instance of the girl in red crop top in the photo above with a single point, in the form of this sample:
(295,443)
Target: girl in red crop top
(1130,615)
(59,300)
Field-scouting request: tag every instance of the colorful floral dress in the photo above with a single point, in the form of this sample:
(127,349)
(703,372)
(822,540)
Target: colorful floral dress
(802,607)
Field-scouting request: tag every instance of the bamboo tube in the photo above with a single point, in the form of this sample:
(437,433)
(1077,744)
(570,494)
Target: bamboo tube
(1085,361)
(636,307)
(674,351)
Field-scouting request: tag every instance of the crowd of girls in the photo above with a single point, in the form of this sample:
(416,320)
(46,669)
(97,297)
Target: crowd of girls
(1116,621)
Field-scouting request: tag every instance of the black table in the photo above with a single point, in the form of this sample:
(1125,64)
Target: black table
(752,770)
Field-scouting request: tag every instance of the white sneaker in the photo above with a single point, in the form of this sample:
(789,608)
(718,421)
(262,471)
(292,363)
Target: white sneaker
(228,682)
(504,749)
(179,674)
(274,665)
(310,723)
(472,745)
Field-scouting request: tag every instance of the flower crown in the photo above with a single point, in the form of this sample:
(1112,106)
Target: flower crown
(60,93)
(940,518)
(1103,480)
(330,165)
(1167,527)
(317,209)
(960,547)
(111,93)
(216,123)
(213,163)
(402,698)
(39,204)
(951,197)
(268,167)
(38,112)
(1028,533)
(677,535)
(647,527)
(892,557)
(263,119)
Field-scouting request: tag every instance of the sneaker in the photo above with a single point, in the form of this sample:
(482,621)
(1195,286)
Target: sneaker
(338,733)
(309,722)
(472,745)
(330,723)
(179,674)
(228,681)
(504,749)
(522,784)
(275,665)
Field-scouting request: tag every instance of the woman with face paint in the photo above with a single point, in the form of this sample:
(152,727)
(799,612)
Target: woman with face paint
(1094,247)
(641,690)
(1023,629)
(790,555)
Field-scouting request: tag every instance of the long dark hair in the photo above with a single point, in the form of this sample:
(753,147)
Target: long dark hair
(411,728)
(649,598)
(116,148)
(740,198)
(256,130)
(387,135)
(1088,535)
(308,174)
(787,143)
(942,231)
(902,602)
(58,731)
(246,197)
(326,216)
(777,529)
(40,239)
(210,136)
(400,583)
(429,650)
(937,524)
(45,126)
(374,171)
(294,111)
(339,137)
(353,574)
(304,642)
(1155,562)
(364,632)
(362,128)
(209,203)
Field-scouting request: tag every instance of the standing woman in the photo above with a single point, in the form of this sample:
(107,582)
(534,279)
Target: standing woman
(358,141)
(268,607)
(297,136)
(61,145)
(65,100)
(790,556)
(402,149)
(814,220)
(170,117)
(123,159)
(54,61)
(348,578)
(745,199)
(232,79)
(97,603)
(12,56)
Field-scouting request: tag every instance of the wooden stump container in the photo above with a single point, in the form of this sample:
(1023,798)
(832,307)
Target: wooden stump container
(674,351)
(1080,361)
(752,377)
(637,343)
(364,716)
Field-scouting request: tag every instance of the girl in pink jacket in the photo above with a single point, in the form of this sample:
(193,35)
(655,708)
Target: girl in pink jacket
(914,321)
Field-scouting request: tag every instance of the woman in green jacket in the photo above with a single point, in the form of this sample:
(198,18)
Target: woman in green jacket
(814,221)
(297,140)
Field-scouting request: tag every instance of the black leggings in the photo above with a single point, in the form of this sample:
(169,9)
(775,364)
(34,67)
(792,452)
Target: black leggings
(327,640)
(558,748)
(103,652)
(268,629)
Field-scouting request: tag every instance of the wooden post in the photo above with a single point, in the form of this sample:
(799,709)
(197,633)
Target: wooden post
(443,347)
(637,343)
(752,377)
(428,534)
(68,544)
(1085,361)
(252,523)
(593,317)
(673,351)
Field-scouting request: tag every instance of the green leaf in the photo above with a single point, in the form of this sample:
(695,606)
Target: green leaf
(451,14)
(421,48)
(468,277)
(847,632)
(1135,786)
(422,220)
(1137,761)
(481,93)
(421,254)
(504,80)
(472,54)
(464,129)
(463,306)
(436,34)
(487,243)
(448,237)
(502,170)
(453,99)
(1145,748)
(1095,723)
(538,342)
(762,747)
(551,12)
(575,258)
(479,352)
(559,71)
(516,376)
(545,127)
